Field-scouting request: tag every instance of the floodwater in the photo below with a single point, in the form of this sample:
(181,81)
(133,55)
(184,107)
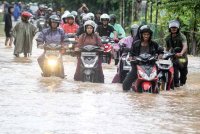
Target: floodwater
(31,104)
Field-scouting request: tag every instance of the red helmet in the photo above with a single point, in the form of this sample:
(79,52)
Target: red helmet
(26,14)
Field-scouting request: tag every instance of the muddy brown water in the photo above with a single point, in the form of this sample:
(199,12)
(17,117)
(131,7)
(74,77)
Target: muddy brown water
(31,104)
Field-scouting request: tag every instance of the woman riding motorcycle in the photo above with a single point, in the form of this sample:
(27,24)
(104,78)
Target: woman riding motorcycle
(144,45)
(89,38)
(51,35)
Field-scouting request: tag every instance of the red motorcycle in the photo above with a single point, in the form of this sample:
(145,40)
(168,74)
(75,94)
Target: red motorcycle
(147,79)
(108,48)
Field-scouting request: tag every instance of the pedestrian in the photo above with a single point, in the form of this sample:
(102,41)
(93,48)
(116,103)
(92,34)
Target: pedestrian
(8,26)
(23,33)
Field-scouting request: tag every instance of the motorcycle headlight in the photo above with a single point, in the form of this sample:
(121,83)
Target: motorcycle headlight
(153,75)
(143,75)
(70,45)
(42,23)
(52,62)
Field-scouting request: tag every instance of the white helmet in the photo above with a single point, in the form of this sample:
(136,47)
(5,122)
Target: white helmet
(67,11)
(105,16)
(65,15)
(74,13)
(85,18)
(90,15)
(70,16)
(174,23)
(91,23)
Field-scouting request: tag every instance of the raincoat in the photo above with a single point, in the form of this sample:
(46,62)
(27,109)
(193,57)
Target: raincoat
(120,31)
(23,33)
(70,28)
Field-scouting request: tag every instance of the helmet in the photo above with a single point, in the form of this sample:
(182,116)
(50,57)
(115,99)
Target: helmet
(113,17)
(145,28)
(70,16)
(174,23)
(54,18)
(67,11)
(134,29)
(90,23)
(74,13)
(85,18)
(90,15)
(64,15)
(104,16)
(26,14)
(50,9)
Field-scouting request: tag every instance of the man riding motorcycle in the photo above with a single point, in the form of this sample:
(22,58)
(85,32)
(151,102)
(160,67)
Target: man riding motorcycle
(144,45)
(89,38)
(173,40)
(105,29)
(51,35)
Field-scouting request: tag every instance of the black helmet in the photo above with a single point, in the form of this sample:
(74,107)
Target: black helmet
(55,19)
(145,28)
(113,17)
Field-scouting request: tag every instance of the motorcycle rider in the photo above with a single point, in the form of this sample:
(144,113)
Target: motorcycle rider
(86,17)
(105,29)
(53,34)
(77,21)
(69,25)
(126,43)
(40,11)
(144,45)
(89,38)
(173,40)
(119,29)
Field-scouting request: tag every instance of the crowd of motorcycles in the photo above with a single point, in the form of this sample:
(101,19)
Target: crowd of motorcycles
(153,75)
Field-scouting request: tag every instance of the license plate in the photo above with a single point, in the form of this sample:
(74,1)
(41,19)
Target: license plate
(88,53)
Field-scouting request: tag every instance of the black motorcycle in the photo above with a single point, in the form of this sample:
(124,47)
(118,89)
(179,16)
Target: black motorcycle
(90,56)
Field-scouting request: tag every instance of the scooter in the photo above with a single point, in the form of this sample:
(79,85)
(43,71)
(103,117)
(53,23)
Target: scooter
(52,62)
(108,48)
(41,23)
(124,64)
(90,56)
(147,79)
(71,44)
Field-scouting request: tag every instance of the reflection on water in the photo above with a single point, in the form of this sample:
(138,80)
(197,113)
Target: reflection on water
(31,104)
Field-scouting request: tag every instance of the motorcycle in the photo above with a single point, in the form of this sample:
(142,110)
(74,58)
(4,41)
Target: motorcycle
(71,44)
(52,61)
(166,70)
(89,62)
(124,64)
(108,48)
(41,23)
(146,74)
